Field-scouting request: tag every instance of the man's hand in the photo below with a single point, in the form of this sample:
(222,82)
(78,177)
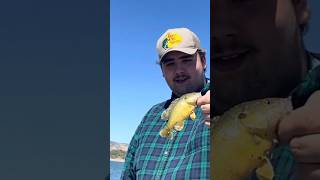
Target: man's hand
(204,103)
(301,130)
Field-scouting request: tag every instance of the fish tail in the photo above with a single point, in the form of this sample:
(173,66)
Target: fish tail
(165,132)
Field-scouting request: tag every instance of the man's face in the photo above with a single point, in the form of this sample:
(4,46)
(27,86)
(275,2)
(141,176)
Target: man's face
(184,73)
(257,49)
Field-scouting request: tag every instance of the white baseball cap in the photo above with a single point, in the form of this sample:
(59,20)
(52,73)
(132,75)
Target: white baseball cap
(178,39)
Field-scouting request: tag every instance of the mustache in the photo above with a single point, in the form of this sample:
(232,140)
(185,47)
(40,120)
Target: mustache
(183,76)
(222,45)
(225,51)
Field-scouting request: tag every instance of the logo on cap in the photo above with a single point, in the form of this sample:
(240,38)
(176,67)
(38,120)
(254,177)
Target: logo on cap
(172,40)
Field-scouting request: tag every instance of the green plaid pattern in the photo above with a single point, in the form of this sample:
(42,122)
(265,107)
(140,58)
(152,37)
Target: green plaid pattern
(151,156)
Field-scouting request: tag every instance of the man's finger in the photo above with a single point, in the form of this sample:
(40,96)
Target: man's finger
(206,117)
(205,108)
(207,123)
(298,123)
(292,125)
(204,99)
(306,149)
(302,121)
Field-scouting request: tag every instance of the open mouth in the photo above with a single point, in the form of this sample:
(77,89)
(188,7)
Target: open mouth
(181,79)
(230,60)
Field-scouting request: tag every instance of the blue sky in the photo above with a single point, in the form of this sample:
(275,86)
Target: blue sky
(136,81)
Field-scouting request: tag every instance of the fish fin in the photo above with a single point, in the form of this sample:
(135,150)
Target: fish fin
(265,171)
(165,115)
(179,126)
(193,115)
(165,132)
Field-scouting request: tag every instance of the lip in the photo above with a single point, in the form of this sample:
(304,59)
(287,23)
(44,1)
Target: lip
(181,80)
(230,60)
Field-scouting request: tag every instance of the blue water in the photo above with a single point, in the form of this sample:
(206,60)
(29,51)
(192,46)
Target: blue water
(115,170)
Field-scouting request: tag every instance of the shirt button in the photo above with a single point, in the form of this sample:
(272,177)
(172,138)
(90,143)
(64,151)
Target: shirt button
(166,153)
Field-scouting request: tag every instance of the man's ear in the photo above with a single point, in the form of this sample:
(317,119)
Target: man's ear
(204,62)
(302,12)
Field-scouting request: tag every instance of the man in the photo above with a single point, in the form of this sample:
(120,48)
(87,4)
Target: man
(258,52)
(186,155)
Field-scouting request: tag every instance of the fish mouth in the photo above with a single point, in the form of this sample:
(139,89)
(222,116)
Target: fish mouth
(230,60)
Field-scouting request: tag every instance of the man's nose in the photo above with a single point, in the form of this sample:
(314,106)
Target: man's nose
(224,38)
(223,30)
(180,69)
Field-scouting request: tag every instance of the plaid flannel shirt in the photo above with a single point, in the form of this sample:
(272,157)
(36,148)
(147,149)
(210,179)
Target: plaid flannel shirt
(186,156)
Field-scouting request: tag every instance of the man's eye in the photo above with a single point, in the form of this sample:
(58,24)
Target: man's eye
(187,60)
(168,64)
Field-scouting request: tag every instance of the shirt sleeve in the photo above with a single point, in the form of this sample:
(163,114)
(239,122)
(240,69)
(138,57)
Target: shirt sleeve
(129,172)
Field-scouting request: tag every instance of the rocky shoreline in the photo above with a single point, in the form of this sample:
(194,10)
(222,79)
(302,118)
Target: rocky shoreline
(118,151)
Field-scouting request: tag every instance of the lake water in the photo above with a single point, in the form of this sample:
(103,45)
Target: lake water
(115,170)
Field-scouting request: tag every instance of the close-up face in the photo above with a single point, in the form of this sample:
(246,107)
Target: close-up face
(183,73)
(257,49)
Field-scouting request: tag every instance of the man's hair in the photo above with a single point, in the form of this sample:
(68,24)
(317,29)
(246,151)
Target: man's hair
(202,54)
(305,27)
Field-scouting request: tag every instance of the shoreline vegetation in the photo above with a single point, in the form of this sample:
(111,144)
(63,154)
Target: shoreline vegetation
(118,154)
(117,160)
(118,151)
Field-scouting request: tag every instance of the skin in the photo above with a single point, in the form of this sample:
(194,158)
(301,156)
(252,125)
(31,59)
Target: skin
(301,130)
(204,103)
(183,72)
(177,65)
(274,63)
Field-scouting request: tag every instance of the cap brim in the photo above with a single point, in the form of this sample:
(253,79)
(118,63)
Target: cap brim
(184,50)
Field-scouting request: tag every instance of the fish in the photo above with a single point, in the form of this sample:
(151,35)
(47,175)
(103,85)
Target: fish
(242,139)
(179,110)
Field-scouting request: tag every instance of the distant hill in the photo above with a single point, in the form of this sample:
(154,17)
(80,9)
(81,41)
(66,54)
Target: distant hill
(118,151)
(118,146)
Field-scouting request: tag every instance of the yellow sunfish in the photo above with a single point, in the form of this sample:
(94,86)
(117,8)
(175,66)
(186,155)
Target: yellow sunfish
(243,137)
(178,111)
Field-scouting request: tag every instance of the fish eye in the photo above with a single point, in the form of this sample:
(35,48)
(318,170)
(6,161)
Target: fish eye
(268,101)
(242,115)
